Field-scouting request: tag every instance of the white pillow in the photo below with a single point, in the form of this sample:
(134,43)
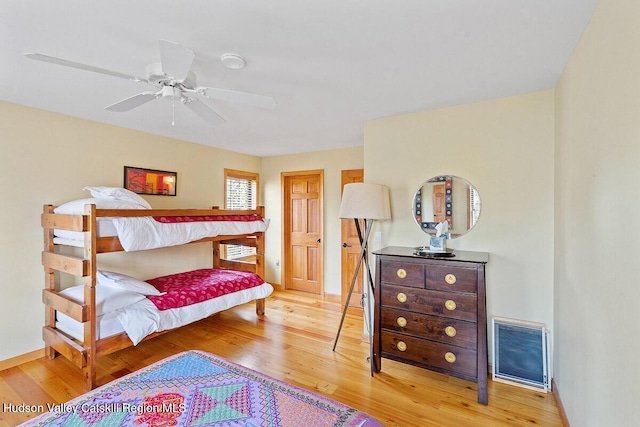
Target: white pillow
(126,283)
(76,207)
(107,299)
(117,193)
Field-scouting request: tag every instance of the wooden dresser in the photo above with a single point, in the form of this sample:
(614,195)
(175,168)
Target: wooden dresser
(430,312)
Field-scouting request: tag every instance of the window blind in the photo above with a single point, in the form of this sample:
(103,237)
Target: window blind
(241,193)
(474,200)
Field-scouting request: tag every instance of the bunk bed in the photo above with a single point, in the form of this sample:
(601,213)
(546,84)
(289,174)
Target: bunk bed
(91,232)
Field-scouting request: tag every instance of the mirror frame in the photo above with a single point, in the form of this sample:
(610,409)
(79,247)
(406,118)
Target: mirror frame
(473,208)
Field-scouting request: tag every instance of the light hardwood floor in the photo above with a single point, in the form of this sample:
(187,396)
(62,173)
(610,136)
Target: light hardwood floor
(293,342)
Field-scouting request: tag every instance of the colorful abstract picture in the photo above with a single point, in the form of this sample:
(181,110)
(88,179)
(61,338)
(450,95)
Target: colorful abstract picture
(150,181)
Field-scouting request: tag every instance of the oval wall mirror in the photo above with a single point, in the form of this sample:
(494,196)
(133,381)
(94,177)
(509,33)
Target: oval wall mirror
(446,198)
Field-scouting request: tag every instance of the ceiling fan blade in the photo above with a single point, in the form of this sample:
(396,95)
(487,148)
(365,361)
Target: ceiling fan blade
(239,97)
(64,62)
(176,59)
(203,110)
(132,102)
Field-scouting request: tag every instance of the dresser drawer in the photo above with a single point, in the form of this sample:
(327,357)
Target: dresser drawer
(455,279)
(447,357)
(402,273)
(450,331)
(448,304)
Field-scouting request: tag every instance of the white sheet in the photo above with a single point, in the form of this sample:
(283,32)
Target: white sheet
(141,233)
(143,318)
(108,324)
(104,228)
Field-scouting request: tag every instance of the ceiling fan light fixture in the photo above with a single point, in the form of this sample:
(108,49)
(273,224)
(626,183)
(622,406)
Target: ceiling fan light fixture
(171,92)
(233,61)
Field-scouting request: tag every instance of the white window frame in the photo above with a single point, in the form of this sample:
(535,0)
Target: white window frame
(250,181)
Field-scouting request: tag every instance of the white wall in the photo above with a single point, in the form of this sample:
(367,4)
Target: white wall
(504,147)
(597,241)
(332,162)
(49,158)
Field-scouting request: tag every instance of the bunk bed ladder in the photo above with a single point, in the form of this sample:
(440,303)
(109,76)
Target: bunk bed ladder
(81,354)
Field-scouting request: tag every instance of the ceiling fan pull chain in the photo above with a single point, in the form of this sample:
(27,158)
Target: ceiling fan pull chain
(173,111)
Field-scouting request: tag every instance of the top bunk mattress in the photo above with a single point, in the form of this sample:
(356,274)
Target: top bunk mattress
(145,232)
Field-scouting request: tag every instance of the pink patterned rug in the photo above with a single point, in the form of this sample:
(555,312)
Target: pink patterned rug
(195,388)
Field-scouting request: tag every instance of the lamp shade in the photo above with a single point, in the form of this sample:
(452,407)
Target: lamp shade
(365,201)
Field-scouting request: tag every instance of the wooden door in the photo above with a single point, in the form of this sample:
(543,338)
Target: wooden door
(439,205)
(302,228)
(351,247)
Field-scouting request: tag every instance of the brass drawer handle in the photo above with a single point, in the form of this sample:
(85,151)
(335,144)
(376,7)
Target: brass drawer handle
(450,305)
(450,278)
(402,322)
(450,357)
(402,297)
(450,331)
(402,346)
(402,273)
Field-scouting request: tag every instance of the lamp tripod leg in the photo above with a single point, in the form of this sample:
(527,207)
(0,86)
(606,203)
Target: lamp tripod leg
(367,301)
(366,257)
(372,360)
(363,250)
(368,313)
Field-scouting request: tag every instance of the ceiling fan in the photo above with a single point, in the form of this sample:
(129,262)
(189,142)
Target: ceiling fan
(173,79)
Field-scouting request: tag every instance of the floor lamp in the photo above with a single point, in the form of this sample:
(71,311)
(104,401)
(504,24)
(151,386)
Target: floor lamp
(367,202)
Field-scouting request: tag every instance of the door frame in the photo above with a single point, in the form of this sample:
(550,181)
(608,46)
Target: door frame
(286,225)
(349,176)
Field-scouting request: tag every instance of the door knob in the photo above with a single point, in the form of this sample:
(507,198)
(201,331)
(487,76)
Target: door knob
(319,240)
(344,245)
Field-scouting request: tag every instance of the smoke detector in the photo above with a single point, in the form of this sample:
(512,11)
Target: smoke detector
(233,61)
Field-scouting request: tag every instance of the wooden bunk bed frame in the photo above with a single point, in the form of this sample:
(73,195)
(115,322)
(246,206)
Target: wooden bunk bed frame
(84,354)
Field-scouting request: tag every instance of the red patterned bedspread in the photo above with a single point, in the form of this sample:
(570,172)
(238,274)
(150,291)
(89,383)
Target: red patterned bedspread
(174,219)
(195,286)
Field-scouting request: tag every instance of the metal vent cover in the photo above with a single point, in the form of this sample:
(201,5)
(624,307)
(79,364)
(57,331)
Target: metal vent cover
(521,353)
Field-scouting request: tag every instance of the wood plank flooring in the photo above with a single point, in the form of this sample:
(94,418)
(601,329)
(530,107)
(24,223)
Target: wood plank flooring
(293,343)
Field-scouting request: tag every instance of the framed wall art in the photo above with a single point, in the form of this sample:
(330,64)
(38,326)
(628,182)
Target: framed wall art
(150,181)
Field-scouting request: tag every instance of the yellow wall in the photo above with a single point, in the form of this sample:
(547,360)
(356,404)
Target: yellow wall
(597,213)
(332,162)
(504,147)
(49,158)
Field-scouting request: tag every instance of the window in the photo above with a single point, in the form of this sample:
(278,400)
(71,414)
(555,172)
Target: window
(241,189)
(240,192)
(474,206)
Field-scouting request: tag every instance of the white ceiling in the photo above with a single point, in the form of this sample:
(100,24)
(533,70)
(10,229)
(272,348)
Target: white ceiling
(331,64)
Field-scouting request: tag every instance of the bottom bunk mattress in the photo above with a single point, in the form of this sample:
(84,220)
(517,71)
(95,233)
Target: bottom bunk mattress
(186,298)
(195,388)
